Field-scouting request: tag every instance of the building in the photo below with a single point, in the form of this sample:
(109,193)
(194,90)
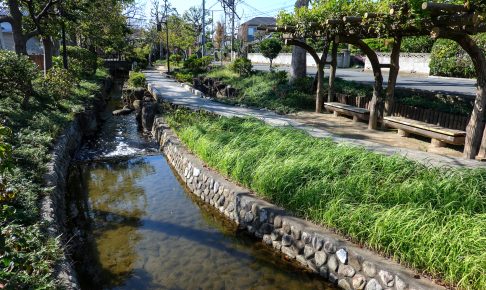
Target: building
(248,30)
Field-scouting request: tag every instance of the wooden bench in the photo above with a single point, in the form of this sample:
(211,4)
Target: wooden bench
(438,134)
(343,109)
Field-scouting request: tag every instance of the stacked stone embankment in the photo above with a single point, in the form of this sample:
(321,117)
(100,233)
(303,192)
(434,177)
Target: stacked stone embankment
(313,247)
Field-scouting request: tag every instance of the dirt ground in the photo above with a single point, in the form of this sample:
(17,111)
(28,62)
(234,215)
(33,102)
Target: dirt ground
(345,127)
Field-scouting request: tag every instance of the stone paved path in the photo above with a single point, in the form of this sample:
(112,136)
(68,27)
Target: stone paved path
(171,91)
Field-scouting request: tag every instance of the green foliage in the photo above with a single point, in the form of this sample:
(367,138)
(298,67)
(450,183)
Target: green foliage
(450,60)
(58,83)
(16,74)
(432,219)
(197,65)
(137,80)
(184,77)
(417,44)
(5,163)
(81,62)
(379,44)
(175,58)
(27,255)
(241,66)
(270,48)
(268,90)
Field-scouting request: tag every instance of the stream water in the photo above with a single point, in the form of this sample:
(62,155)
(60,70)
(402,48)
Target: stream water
(141,228)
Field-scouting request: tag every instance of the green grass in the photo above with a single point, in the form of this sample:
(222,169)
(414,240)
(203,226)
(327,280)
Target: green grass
(272,91)
(269,90)
(430,219)
(27,255)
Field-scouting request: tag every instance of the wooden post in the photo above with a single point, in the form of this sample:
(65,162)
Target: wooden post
(332,73)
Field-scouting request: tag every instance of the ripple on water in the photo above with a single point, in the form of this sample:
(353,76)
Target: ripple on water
(151,234)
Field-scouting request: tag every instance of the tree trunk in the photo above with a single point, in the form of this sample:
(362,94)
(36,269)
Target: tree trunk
(320,78)
(298,68)
(475,128)
(482,150)
(375,104)
(18,34)
(271,64)
(332,73)
(320,88)
(392,76)
(47,43)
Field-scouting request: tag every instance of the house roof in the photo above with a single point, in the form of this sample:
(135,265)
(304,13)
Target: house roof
(261,21)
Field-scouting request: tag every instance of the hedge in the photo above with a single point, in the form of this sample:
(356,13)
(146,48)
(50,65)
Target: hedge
(448,59)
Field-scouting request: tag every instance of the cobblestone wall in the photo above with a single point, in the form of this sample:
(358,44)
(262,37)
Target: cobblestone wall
(314,247)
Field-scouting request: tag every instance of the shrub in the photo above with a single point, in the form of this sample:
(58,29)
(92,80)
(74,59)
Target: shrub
(59,84)
(175,58)
(242,66)
(197,65)
(417,44)
(184,77)
(137,79)
(450,60)
(5,162)
(16,74)
(82,62)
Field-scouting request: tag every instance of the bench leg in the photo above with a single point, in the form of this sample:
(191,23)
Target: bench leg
(437,143)
(336,114)
(403,133)
(355,119)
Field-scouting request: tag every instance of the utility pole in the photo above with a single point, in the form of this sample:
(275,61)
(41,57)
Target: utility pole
(166,14)
(232,27)
(203,37)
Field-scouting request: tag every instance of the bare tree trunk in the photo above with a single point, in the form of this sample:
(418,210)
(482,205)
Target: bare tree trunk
(392,76)
(320,88)
(475,129)
(332,73)
(298,68)
(320,78)
(18,35)
(47,43)
(271,60)
(482,150)
(375,104)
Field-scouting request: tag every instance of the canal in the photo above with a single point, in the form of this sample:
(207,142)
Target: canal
(138,227)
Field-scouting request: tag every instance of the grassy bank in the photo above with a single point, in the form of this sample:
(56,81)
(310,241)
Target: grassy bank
(272,91)
(27,255)
(430,219)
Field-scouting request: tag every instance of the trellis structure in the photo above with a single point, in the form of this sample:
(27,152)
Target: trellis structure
(455,22)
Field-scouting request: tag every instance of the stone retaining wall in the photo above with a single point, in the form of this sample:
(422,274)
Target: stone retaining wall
(53,205)
(314,247)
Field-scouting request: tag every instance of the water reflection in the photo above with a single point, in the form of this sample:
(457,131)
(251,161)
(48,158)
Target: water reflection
(151,234)
(136,227)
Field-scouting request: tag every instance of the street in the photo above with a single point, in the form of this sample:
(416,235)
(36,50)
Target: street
(452,86)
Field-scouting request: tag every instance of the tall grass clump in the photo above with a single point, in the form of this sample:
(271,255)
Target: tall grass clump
(431,219)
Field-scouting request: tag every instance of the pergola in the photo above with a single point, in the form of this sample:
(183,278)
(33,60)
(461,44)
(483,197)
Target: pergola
(454,22)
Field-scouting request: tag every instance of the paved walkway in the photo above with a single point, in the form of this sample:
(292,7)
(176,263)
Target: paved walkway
(171,91)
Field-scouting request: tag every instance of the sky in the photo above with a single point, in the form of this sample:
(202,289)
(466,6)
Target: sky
(246,9)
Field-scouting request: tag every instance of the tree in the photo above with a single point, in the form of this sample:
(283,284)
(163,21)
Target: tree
(298,68)
(218,35)
(270,48)
(194,17)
